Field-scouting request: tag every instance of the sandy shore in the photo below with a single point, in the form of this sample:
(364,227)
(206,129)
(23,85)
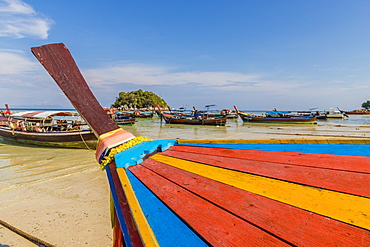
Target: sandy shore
(61,202)
(60,196)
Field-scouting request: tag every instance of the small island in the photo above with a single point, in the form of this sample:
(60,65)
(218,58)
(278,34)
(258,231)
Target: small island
(138,100)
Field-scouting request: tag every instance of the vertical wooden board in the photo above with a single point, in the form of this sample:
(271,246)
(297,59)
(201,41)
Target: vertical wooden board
(169,230)
(342,181)
(60,64)
(343,207)
(216,226)
(337,162)
(130,232)
(296,226)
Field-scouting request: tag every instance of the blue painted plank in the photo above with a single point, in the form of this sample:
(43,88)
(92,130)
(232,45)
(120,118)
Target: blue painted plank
(168,228)
(135,154)
(338,149)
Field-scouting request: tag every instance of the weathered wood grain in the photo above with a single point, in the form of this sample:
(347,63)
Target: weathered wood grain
(294,225)
(355,183)
(343,207)
(217,226)
(58,61)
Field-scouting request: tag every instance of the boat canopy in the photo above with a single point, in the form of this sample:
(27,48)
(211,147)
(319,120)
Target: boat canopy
(282,112)
(44,114)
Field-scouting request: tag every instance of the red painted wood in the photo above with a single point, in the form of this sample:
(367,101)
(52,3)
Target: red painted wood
(348,182)
(330,161)
(60,64)
(216,226)
(296,226)
(124,207)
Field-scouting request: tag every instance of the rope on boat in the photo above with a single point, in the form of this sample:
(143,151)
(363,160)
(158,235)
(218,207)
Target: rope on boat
(27,236)
(79,131)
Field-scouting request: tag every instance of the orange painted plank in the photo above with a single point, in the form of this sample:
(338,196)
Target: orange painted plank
(348,182)
(293,225)
(330,161)
(217,226)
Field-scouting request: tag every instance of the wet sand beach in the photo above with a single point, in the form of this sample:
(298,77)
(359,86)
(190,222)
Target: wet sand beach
(60,195)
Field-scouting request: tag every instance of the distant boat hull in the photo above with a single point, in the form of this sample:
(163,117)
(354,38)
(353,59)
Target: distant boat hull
(176,119)
(263,119)
(121,120)
(355,112)
(66,139)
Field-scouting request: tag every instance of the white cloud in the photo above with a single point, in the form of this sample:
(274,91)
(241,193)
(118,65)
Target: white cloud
(13,62)
(15,6)
(152,75)
(18,20)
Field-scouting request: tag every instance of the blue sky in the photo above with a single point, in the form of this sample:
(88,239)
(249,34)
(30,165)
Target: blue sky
(256,54)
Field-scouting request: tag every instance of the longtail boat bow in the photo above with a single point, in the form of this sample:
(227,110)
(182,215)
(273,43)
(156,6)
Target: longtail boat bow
(261,192)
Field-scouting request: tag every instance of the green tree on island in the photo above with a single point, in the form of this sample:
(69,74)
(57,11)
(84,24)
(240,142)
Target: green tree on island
(366,105)
(140,99)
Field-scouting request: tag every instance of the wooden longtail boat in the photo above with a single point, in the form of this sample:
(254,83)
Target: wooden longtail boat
(138,114)
(273,117)
(175,118)
(272,192)
(41,128)
(356,112)
(7,112)
(123,119)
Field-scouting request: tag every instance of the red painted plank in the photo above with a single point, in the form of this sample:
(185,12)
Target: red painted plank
(216,226)
(294,225)
(330,161)
(125,209)
(348,182)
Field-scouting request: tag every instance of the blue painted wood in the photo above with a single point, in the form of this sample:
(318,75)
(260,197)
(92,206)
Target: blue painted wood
(118,209)
(135,154)
(168,228)
(338,149)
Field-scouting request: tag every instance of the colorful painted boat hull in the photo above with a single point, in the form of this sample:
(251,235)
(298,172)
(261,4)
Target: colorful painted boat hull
(263,119)
(177,119)
(68,139)
(274,192)
(239,193)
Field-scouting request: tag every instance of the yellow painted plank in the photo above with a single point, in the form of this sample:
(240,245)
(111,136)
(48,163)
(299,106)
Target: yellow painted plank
(146,232)
(322,141)
(347,208)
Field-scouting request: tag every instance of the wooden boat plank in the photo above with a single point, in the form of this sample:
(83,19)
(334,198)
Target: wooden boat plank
(217,226)
(343,207)
(125,217)
(342,181)
(60,64)
(296,226)
(276,141)
(146,232)
(338,149)
(329,161)
(167,227)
